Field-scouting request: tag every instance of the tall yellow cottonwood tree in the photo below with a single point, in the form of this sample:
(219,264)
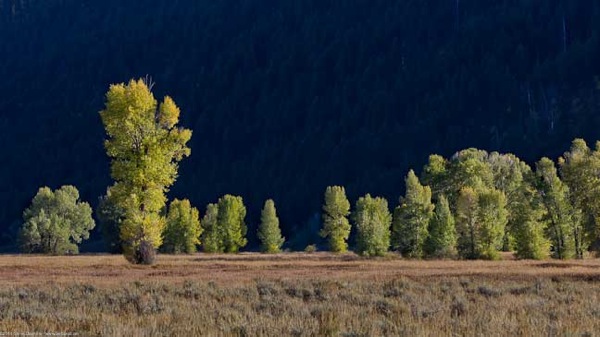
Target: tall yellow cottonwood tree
(145,145)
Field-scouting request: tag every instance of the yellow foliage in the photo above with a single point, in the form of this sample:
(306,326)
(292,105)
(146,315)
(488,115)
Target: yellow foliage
(145,146)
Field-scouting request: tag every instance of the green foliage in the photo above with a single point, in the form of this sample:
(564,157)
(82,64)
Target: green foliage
(564,220)
(310,249)
(212,239)
(435,175)
(145,146)
(109,216)
(183,230)
(442,241)
(527,221)
(470,168)
(411,218)
(372,219)
(499,76)
(467,222)
(508,171)
(230,224)
(481,219)
(269,232)
(580,171)
(56,222)
(336,226)
(492,215)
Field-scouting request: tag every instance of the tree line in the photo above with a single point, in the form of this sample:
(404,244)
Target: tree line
(342,83)
(473,205)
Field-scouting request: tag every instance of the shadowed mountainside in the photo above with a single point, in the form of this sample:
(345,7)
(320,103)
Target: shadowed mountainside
(286,98)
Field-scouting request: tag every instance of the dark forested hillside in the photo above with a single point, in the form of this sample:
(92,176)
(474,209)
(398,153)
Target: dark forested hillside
(287,97)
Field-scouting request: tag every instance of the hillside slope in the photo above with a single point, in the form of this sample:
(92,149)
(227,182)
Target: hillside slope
(286,97)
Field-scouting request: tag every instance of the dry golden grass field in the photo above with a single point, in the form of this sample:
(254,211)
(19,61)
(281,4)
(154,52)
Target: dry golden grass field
(297,294)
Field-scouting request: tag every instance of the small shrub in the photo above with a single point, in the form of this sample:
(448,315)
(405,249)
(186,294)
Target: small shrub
(310,249)
(489,292)
(458,307)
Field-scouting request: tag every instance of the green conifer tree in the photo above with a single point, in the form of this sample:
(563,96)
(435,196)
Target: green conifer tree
(269,232)
(442,241)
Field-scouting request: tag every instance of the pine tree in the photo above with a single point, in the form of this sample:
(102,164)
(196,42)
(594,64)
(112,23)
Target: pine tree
(411,218)
(336,226)
(230,223)
(442,241)
(372,219)
(212,239)
(269,232)
(183,230)
(145,146)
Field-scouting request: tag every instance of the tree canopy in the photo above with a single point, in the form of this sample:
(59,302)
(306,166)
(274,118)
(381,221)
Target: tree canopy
(183,229)
(145,145)
(352,92)
(56,222)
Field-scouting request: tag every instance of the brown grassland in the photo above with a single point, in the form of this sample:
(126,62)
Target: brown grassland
(298,294)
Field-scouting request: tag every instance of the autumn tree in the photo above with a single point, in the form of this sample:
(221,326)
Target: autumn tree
(269,232)
(441,241)
(230,223)
(212,239)
(56,222)
(336,227)
(372,219)
(145,145)
(411,218)
(183,230)
(564,220)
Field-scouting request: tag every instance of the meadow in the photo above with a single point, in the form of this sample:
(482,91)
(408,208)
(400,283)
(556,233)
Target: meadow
(297,294)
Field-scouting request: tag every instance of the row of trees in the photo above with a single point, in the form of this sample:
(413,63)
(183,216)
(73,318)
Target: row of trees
(57,221)
(476,204)
(472,205)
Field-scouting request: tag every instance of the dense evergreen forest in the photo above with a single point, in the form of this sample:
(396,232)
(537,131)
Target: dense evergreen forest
(288,97)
